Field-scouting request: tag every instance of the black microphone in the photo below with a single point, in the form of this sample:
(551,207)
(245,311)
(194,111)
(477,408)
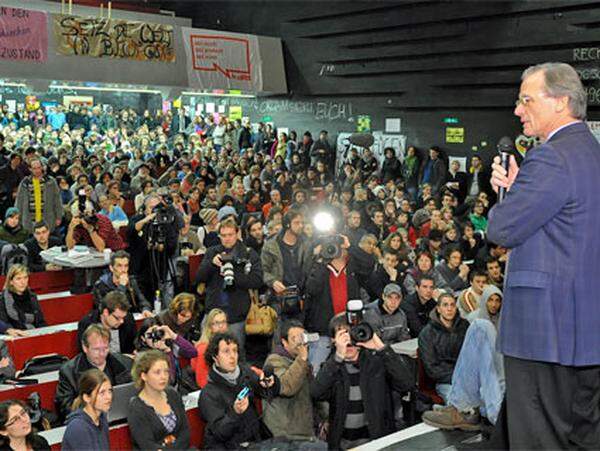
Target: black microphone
(506,149)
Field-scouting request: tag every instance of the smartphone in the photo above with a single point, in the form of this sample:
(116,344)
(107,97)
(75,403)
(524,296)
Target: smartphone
(243,393)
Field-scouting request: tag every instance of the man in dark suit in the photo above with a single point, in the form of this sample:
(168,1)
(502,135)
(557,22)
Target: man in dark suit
(550,219)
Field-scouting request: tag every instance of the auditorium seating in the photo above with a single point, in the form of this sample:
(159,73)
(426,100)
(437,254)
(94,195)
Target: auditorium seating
(66,309)
(46,387)
(48,281)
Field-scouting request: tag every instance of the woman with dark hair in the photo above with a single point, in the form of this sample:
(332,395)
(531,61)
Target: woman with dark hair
(156,418)
(87,425)
(424,264)
(154,335)
(16,432)
(19,306)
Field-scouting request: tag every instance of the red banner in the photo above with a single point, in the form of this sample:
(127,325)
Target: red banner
(23,35)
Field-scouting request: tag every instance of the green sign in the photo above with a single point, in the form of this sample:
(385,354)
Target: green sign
(450,120)
(266,119)
(363,124)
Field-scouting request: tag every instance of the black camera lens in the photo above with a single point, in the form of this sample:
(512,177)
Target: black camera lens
(361,333)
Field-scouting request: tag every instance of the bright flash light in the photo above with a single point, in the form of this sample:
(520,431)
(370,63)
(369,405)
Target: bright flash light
(324,222)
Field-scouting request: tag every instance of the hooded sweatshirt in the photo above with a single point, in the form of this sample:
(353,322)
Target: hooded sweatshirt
(82,433)
(482,312)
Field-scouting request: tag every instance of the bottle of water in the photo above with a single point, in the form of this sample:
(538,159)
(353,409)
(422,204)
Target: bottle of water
(157,303)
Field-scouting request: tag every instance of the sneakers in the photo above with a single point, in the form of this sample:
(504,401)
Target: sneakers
(451,418)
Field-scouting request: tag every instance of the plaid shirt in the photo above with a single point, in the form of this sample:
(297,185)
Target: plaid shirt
(106,231)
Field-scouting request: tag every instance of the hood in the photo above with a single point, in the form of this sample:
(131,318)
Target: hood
(482,311)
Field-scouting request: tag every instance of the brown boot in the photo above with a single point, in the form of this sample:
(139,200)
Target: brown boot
(450,418)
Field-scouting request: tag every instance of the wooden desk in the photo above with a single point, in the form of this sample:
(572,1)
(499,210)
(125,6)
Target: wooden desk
(46,388)
(66,309)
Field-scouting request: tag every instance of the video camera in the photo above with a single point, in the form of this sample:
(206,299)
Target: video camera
(289,303)
(331,243)
(360,330)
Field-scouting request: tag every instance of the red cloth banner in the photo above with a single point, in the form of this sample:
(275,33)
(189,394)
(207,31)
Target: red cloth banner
(23,35)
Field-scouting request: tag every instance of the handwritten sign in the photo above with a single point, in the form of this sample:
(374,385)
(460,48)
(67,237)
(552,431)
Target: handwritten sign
(23,35)
(222,60)
(103,38)
(455,135)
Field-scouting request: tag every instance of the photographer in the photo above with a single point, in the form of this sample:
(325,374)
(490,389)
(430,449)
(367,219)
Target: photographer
(229,270)
(331,282)
(93,230)
(286,261)
(152,242)
(357,381)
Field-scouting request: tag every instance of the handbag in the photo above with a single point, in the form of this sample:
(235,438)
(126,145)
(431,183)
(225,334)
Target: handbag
(261,319)
(43,364)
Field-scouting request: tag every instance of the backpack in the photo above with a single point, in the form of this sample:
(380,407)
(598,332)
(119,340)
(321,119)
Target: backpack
(43,364)
(13,254)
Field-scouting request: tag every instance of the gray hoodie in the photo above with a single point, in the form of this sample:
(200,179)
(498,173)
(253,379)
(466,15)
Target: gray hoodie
(482,311)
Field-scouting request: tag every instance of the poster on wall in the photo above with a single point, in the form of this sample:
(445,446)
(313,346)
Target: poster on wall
(104,38)
(23,35)
(78,100)
(222,60)
(381,141)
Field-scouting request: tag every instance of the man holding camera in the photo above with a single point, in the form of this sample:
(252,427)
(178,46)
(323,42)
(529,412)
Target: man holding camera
(357,381)
(144,248)
(229,270)
(286,260)
(93,230)
(291,413)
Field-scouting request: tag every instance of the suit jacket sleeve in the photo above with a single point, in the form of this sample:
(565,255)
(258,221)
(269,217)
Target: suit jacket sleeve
(536,196)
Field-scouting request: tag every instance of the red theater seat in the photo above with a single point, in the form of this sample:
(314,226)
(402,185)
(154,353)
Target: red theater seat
(66,309)
(45,389)
(426,385)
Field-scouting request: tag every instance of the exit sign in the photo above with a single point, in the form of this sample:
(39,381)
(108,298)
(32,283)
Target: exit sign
(450,120)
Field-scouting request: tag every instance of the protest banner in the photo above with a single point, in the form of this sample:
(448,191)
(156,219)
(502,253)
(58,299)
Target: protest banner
(23,35)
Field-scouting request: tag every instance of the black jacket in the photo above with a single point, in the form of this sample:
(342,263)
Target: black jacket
(13,313)
(380,373)
(439,347)
(225,429)
(136,298)
(391,169)
(237,303)
(417,314)
(127,330)
(318,307)
(34,260)
(148,432)
(118,369)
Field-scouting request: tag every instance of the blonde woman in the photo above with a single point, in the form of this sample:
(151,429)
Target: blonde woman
(157,418)
(215,322)
(19,307)
(87,425)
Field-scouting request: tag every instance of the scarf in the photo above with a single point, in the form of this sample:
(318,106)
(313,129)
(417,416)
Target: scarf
(230,378)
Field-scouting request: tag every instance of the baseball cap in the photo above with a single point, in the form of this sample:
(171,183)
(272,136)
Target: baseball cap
(391,288)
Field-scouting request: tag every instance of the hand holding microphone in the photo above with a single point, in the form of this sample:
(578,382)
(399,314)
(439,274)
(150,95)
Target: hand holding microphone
(504,168)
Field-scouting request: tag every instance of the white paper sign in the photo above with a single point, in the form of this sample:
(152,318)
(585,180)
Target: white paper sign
(461,160)
(392,125)
(210,107)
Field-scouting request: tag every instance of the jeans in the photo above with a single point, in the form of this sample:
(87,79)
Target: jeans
(478,378)
(238,330)
(444,391)
(318,351)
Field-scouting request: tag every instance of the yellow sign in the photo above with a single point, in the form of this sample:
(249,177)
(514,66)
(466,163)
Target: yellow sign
(455,135)
(235,112)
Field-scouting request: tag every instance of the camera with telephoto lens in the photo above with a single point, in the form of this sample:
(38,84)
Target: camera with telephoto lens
(229,262)
(90,219)
(155,334)
(360,330)
(330,242)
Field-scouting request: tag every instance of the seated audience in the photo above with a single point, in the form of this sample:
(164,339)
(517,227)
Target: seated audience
(16,432)
(96,353)
(214,322)
(156,416)
(113,314)
(440,342)
(494,272)
(19,306)
(87,425)
(478,378)
(290,414)
(41,241)
(423,268)
(387,318)
(357,381)
(231,420)
(11,230)
(118,279)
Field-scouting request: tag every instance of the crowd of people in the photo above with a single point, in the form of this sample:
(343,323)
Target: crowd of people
(408,240)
